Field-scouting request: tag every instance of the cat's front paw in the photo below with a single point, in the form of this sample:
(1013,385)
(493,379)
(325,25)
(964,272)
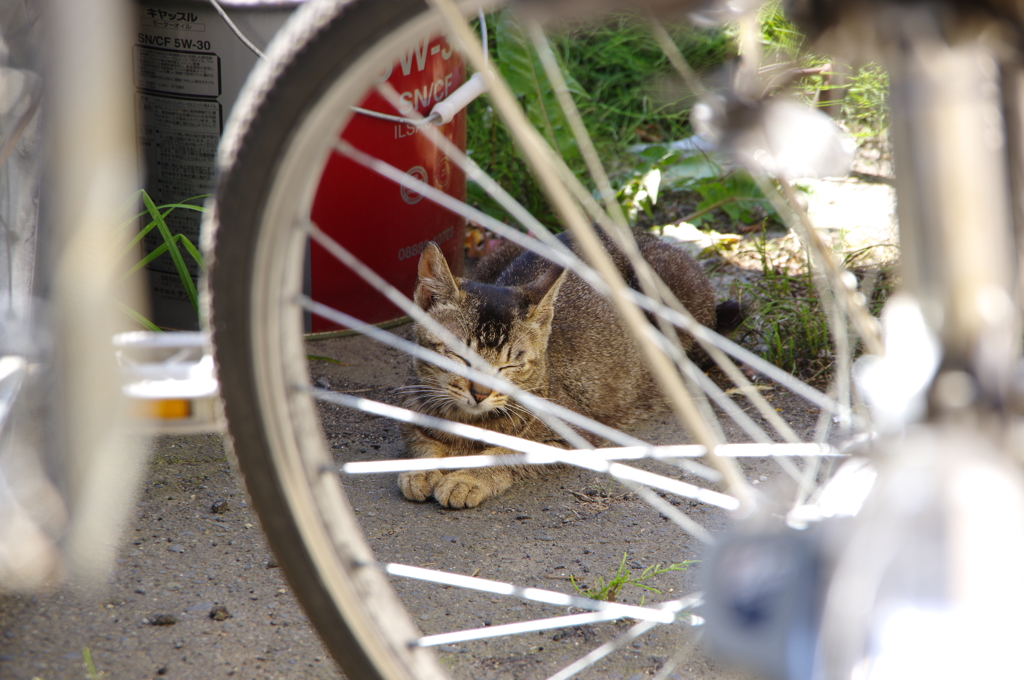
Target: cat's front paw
(419,486)
(466,489)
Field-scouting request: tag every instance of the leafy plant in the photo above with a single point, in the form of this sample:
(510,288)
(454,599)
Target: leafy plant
(736,194)
(788,322)
(609,591)
(172,244)
(785,322)
(639,192)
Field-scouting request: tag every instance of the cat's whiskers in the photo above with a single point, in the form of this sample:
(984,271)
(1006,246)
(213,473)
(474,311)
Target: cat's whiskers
(439,403)
(521,412)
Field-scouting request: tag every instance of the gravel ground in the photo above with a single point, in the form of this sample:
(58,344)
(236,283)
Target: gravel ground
(196,593)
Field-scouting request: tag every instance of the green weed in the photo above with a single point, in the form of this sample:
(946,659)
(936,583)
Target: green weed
(172,244)
(609,591)
(856,96)
(785,322)
(90,667)
(788,325)
(623,86)
(627,93)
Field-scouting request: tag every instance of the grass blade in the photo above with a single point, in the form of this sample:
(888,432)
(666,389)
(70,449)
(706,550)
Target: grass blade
(192,250)
(138,318)
(172,248)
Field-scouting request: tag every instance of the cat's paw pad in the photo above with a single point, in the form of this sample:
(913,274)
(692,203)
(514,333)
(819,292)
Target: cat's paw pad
(419,486)
(462,490)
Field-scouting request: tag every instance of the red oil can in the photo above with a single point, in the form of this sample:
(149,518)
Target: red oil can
(382,223)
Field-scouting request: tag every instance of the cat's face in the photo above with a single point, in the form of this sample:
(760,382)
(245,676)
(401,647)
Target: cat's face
(507,327)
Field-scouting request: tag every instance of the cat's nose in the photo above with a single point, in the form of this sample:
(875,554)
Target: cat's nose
(479,392)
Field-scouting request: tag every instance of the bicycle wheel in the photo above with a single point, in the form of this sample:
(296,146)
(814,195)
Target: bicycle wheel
(284,130)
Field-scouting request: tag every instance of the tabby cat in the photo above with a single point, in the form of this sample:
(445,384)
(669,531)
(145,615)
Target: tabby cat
(546,331)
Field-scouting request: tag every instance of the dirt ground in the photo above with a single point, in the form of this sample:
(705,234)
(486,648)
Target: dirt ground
(196,593)
(194,553)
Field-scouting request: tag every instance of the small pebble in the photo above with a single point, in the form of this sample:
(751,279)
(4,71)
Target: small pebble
(163,620)
(220,613)
(219,507)
(271,562)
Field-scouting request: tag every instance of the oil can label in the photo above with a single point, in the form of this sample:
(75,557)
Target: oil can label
(177,72)
(179,137)
(388,224)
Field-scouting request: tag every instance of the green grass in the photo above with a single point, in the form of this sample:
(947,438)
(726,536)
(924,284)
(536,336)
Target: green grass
(171,244)
(609,590)
(785,321)
(622,83)
(628,94)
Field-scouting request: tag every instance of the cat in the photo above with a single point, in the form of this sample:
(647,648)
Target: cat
(547,332)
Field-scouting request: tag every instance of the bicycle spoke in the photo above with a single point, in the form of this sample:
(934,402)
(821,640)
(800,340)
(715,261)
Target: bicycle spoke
(664,613)
(543,453)
(620,641)
(669,452)
(516,628)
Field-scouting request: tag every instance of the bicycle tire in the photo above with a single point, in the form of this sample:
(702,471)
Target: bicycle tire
(312,71)
(350,604)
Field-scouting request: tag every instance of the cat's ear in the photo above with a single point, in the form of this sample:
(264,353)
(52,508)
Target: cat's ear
(542,292)
(435,280)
